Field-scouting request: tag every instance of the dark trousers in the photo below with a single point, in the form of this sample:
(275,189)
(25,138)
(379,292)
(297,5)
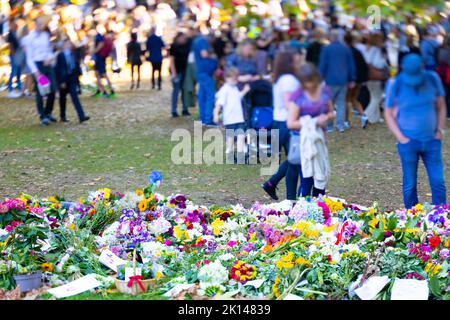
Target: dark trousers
(156,66)
(292,175)
(283,136)
(307,186)
(177,84)
(71,89)
(49,73)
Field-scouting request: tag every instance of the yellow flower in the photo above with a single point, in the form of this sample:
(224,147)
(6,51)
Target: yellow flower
(52,199)
(106,193)
(302,261)
(216,225)
(159,275)
(275,290)
(328,228)
(334,206)
(47,267)
(159,239)
(139,192)
(373,223)
(72,226)
(143,205)
(179,233)
(151,197)
(432,269)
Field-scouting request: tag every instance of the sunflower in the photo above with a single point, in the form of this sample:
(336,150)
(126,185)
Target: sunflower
(143,205)
(47,267)
(139,192)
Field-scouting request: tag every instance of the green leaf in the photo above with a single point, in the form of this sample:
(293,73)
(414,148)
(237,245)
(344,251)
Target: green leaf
(434,286)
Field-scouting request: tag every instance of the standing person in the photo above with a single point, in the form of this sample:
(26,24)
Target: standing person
(206,64)
(67,71)
(134,57)
(244,59)
(179,53)
(40,58)
(415,114)
(337,67)
(444,70)
(378,73)
(155,46)
(16,57)
(310,109)
(103,48)
(286,82)
(229,101)
(362,74)
(313,50)
(429,47)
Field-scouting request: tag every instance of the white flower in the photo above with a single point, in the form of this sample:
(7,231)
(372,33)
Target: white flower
(212,274)
(159,226)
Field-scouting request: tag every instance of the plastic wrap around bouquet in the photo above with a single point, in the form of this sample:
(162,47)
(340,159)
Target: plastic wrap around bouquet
(44,85)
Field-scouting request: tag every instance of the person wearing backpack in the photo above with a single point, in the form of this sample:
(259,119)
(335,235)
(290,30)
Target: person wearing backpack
(103,47)
(415,113)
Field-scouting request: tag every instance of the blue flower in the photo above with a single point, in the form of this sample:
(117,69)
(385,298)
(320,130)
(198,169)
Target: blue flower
(155,178)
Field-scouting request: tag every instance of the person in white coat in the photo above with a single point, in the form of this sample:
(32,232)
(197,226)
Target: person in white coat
(378,72)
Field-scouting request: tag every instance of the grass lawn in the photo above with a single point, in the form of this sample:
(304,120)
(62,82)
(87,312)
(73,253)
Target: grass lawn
(129,136)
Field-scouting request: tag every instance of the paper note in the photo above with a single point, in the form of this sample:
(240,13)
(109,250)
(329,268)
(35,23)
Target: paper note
(110,260)
(78,286)
(129,272)
(291,296)
(370,288)
(410,289)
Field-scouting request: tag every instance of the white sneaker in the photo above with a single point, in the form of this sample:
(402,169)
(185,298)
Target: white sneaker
(13,94)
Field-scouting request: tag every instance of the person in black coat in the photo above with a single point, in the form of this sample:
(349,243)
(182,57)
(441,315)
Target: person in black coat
(134,57)
(67,72)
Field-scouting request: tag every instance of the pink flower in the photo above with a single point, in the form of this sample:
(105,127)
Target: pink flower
(3,208)
(167,242)
(231,243)
(325,210)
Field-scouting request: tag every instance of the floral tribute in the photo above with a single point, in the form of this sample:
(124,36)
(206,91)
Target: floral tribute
(321,248)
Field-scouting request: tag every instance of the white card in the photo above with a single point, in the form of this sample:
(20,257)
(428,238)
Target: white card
(291,296)
(78,286)
(130,271)
(372,286)
(110,260)
(410,289)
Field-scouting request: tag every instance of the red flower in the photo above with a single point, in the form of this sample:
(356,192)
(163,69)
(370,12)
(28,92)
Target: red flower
(434,242)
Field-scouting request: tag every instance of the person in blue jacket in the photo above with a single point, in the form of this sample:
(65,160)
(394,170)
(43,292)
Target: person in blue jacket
(155,45)
(206,64)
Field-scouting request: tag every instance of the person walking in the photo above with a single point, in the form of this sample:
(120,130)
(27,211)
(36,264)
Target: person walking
(16,57)
(103,47)
(444,70)
(206,64)
(286,67)
(314,48)
(378,73)
(337,68)
(134,57)
(415,113)
(154,47)
(179,53)
(67,71)
(362,75)
(40,58)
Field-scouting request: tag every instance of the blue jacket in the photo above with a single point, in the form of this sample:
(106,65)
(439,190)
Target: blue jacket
(154,46)
(337,65)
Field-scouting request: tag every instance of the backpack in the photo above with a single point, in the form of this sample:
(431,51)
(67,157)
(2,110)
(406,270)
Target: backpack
(105,51)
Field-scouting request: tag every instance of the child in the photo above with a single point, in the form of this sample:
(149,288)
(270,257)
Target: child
(229,100)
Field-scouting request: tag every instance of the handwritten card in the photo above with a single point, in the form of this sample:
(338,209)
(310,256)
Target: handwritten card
(370,288)
(78,286)
(410,289)
(110,260)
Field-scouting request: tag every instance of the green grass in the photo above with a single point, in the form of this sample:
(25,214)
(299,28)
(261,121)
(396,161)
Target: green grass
(129,136)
